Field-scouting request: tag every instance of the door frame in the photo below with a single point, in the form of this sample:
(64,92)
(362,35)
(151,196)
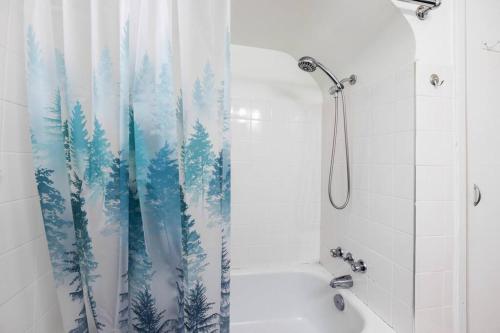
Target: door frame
(461,162)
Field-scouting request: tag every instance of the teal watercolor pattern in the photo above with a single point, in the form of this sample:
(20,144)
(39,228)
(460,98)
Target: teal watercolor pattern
(132,164)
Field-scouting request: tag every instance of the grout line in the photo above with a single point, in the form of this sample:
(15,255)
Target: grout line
(18,247)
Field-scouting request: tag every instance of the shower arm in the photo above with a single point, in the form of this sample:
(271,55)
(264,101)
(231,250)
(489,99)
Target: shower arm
(425,7)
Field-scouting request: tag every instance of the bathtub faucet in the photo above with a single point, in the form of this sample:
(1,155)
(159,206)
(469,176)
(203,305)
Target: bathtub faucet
(342,282)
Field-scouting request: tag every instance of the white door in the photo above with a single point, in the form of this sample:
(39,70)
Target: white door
(483,114)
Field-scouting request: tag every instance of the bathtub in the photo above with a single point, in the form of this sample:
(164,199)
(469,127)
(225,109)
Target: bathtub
(296,300)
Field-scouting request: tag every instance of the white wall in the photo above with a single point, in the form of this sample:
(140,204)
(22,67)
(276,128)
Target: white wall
(438,176)
(27,295)
(276,130)
(378,224)
(483,118)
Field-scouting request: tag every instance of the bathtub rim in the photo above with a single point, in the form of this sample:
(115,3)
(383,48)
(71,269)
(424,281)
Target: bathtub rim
(372,322)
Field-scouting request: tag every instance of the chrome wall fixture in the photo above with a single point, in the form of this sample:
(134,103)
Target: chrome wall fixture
(357,266)
(425,7)
(436,81)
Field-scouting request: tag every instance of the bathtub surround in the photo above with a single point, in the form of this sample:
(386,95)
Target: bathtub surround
(275,120)
(378,225)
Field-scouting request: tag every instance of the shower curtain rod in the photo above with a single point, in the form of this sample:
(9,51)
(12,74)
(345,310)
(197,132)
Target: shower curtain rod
(425,7)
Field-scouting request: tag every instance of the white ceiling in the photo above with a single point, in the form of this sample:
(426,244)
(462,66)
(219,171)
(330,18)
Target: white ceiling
(333,31)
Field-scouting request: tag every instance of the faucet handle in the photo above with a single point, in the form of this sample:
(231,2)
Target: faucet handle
(348,257)
(337,253)
(359,266)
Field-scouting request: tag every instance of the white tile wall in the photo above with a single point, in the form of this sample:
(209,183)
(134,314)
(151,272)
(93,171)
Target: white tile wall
(276,139)
(435,202)
(378,224)
(27,295)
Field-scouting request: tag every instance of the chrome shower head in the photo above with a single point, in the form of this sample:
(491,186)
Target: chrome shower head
(309,64)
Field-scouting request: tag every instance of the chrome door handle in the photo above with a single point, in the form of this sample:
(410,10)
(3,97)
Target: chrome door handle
(477,195)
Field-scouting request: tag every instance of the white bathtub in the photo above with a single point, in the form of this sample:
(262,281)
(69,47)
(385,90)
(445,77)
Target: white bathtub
(296,300)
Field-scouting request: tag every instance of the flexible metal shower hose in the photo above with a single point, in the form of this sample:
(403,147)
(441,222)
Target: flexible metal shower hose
(332,159)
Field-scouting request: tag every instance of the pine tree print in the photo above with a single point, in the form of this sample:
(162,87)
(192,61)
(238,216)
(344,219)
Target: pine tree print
(100,158)
(88,265)
(139,262)
(144,84)
(165,111)
(147,318)
(73,267)
(203,91)
(78,139)
(103,83)
(62,76)
(124,303)
(199,318)
(198,96)
(53,207)
(54,120)
(179,328)
(224,288)
(208,86)
(219,191)
(138,158)
(116,197)
(34,53)
(162,190)
(198,162)
(66,144)
(193,254)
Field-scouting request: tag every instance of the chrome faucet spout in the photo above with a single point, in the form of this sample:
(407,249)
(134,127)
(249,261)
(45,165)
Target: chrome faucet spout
(342,282)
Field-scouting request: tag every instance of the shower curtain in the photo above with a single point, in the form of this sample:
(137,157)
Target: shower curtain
(129,109)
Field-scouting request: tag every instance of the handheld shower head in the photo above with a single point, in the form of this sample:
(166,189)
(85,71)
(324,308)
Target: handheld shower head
(309,64)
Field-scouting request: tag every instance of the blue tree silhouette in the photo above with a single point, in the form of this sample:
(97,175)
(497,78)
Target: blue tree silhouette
(79,144)
(34,56)
(88,264)
(219,190)
(66,145)
(208,85)
(100,158)
(193,254)
(198,96)
(116,196)
(225,283)
(197,311)
(137,143)
(164,114)
(198,162)
(147,318)
(203,90)
(53,121)
(162,190)
(53,207)
(140,266)
(73,267)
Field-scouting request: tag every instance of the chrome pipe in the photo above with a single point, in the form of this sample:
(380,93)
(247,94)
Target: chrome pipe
(432,3)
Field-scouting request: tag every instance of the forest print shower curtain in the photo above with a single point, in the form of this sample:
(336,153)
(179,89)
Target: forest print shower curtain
(129,107)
